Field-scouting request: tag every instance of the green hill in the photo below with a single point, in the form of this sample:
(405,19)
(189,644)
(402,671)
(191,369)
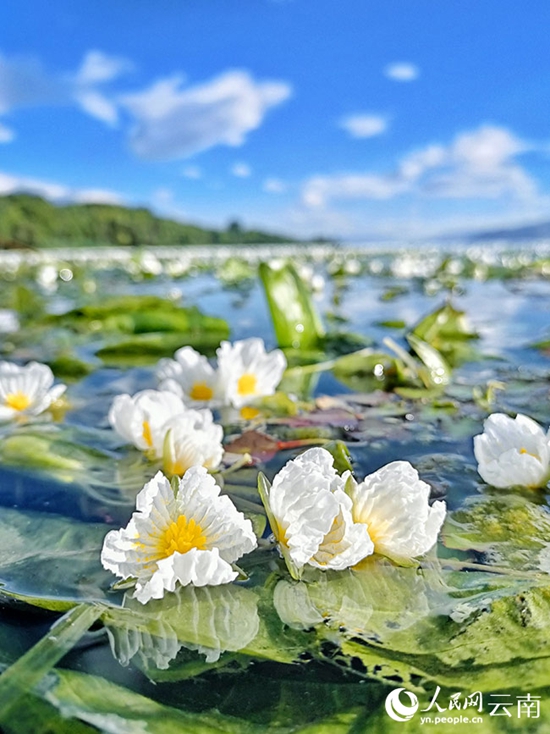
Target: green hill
(31,221)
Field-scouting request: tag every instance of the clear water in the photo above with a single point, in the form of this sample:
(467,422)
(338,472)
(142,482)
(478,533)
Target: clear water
(384,627)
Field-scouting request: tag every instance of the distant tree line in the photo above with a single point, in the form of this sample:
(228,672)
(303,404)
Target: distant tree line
(31,221)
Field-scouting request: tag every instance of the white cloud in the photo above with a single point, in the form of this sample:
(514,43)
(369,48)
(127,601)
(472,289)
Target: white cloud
(11,184)
(24,82)
(98,67)
(319,189)
(274,186)
(6,134)
(402,71)
(192,172)
(364,125)
(476,164)
(241,170)
(98,106)
(175,122)
(14,184)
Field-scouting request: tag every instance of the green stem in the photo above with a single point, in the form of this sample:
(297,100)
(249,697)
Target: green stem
(31,667)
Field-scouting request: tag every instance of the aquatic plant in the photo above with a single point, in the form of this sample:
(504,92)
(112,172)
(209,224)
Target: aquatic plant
(513,452)
(26,391)
(181,536)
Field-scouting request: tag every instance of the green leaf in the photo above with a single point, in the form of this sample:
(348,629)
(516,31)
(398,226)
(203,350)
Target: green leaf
(447,330)
(146,349)
(340,454)
(50,451)
(509,529)
(438,372)
(69,367)
(51,561)
(32,714)
(366,370)
(295,319)
(114,709)
(24,674)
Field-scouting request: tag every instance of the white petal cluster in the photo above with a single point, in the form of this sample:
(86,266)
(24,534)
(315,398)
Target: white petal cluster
(332,522)
(158,422)
(247,371)
(26,391)
(190,376)
(244,373)
(310,515)
(513,452)
(187,537)
(192,438)
(393,505)
(140,418)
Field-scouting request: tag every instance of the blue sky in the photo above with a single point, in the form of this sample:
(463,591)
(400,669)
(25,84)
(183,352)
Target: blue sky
(347,118)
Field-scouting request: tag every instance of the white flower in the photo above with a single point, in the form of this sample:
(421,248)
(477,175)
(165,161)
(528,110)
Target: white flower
(191,536)
(140,418)
(246,371)
(513,452)
(26,390)
(393,505)
(310,515)
(191,438)
(190,376)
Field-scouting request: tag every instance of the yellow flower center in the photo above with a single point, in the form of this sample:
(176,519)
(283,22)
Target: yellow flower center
(529,453)
(181,536)
(17,400)
(376,527)
(175,468)
(201,391)
(248,413)
(147,437)
(246,385)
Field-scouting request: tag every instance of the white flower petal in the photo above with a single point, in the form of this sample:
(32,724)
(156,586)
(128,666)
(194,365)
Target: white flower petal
(191,537)
(512,452)
(347,542)
(189,439)
(303,504)
(140,418)
(189,375)
(26,390)
(224,526)
(312,514)
(247,360)
(393,504)
(196,567)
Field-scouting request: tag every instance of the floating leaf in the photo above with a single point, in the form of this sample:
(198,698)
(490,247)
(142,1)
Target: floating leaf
(448,331)
(366,370)
(145,349)
(510,530)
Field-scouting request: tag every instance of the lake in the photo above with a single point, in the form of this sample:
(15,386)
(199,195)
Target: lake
(416,349)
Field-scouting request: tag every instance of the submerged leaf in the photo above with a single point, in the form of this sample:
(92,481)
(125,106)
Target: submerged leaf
(113,708)
(51,561)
